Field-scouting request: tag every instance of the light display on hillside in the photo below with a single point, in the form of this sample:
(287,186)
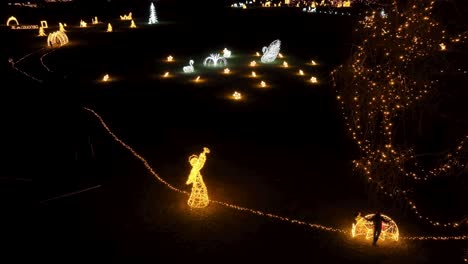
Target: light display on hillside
(236,96)
(271,52)
(199,195)
(365,228)
(57,39)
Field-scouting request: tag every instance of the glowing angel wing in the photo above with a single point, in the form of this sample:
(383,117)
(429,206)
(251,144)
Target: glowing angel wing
(270,54)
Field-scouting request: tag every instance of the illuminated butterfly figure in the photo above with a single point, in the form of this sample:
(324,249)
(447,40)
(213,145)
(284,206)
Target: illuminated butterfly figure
(199,195)
(270,53)
(215,60)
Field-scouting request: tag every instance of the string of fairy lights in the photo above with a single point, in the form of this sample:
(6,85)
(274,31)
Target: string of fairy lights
(245,209)
(42,60)
(379,83)
(14,63)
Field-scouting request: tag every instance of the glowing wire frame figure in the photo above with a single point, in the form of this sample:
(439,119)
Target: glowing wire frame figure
(189,68)
(215,60)
(57,38)
(270,53)
(364,227)
(199,195)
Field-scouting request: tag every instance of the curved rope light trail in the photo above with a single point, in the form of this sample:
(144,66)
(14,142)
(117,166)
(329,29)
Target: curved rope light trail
(42,60)
(13,64)
(245,209)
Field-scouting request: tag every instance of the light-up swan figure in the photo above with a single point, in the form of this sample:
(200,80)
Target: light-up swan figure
(199,195)
(270,53)
(57,38)
(215,60)
(189,69)
(12,19)
(365,228)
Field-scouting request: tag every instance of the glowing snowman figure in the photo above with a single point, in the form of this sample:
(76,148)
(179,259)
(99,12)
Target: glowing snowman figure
(199,195)
(189,68)
(226,53)
(271,52)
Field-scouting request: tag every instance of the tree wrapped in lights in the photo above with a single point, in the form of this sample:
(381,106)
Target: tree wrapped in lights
(199,195)
(389,73)
(153,19)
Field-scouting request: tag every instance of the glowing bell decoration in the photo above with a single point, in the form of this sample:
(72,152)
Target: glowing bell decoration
(199,195)
(365,228)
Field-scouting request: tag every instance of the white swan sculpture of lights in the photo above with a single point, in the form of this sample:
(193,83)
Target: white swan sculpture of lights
(189,69)
(215,60)
(270,53)
(57,38)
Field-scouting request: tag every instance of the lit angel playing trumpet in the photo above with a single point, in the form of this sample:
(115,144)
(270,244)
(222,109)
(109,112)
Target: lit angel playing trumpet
(199,195)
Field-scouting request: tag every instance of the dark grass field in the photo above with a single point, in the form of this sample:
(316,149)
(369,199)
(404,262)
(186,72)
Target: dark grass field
(282,150)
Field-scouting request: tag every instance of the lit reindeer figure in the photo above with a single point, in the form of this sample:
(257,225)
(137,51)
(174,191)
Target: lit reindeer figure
(199,195)
(215,60)
(189,69)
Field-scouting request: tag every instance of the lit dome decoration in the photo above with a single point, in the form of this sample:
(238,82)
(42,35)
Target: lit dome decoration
(199,195)
(57,38)
(270,53)
(189,68)
(215,60)
(12,19)
(365,228)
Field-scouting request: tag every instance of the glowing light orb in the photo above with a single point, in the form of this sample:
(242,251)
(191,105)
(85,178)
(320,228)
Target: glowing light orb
(170,58)
(105,78)
(61,27)
(109,27)
(285,64)
(214,60)
(189,68)
(301,72)
(263,84)
(41,32)
(365,228)
(12,19)
(83,24)
(166,75)
(199,195)
(442,46)
(313,80)
(57,38)
(254,74)
(226,71)
(313,63)
(236,95)
(270,53)
(226,53)
(132,24)
(253,63)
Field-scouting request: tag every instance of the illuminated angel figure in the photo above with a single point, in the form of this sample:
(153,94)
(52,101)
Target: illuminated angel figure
(270,53)
(215,60)
(199,196)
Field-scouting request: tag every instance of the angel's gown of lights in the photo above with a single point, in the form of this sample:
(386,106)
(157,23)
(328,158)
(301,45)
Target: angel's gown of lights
(199,195)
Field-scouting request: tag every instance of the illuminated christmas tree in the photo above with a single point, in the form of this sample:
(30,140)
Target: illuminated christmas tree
(153,19)
(199,196)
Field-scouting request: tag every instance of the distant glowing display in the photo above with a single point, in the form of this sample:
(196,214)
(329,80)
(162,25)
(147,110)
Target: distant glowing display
(153,19)
(132,24)
(365,228)
(313,79)
(109,27)
(105,78)
(226,53)
(169,58)
(199,195)
(271,52)
(61,27)
(263,84)
(166,75)
(226,71)
(254,74)
(285,64)
(215,60)
(189,68)
(313,63)
(300,72)
(95,20)
(44,24)
(126,17)
(41,32)
(236,95)
(253,63)
(83,24)
(12,19)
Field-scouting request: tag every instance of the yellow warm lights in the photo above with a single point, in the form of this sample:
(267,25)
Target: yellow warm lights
(280,55)
(132,24)
(263,84)
(41,32)
(197,79)
(170,58)
(226,71)
(300,72)
(253,74)
(257,54)
(83,24)
(365,228)
(285,64)
(253,63)
(442,46)
(313,63)
(236,96)
(199,195)
(12,19)
(105,78)
(313,80)
(109,27)
(166,75)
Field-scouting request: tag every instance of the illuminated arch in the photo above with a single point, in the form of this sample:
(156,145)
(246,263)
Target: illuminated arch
(12,19)
(365,228)
(57,38)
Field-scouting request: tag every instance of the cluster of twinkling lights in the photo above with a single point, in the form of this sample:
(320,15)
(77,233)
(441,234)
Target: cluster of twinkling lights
(245,209)
(378,84)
